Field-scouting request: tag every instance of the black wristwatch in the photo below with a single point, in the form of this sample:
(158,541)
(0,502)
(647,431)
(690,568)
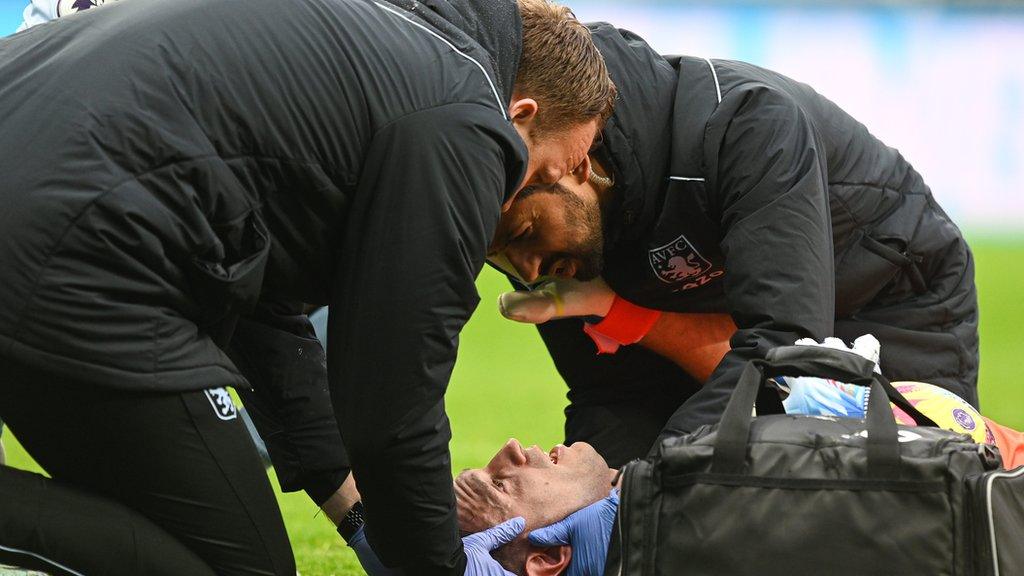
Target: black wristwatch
(352,522)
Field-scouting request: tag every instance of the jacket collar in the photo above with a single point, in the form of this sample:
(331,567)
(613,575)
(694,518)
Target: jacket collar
(493,25)
(638,136)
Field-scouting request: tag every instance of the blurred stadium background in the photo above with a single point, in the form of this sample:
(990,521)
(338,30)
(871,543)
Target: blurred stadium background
(941,81)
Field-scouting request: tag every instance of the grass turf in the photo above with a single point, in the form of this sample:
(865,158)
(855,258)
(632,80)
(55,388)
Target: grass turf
(505,385)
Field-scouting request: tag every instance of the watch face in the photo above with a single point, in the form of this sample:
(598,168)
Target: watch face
(355,515)
(352,521)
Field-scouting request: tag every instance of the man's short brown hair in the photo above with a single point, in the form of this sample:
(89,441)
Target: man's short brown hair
(561,68)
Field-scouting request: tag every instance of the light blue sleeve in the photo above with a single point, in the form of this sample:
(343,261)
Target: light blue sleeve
(822,397)
(37,12)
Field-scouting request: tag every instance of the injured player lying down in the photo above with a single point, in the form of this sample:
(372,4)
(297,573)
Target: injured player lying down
(542,488)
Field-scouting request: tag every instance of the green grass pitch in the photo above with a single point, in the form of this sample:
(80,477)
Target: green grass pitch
(505,385)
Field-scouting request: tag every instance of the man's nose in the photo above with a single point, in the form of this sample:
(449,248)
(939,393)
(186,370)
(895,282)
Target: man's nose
(513,451)
(527,265)
(549,175)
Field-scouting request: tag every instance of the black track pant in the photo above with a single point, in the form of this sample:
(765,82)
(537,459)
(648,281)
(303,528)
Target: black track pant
(620,402)
(147,483)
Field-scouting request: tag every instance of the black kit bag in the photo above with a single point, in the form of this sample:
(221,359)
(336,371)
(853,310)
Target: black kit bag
(799,495)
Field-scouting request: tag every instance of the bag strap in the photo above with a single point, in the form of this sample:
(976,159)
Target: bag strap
(903,404)
(883,449)
(801,359)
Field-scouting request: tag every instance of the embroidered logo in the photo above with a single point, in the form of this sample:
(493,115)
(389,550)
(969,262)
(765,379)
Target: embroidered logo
(223,407)
(66,7)
(679,262)
(964,419)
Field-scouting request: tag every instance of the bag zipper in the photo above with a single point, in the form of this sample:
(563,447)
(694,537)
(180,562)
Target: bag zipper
(988,509)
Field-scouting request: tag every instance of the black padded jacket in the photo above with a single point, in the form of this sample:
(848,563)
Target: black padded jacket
(167,168)
(740,190)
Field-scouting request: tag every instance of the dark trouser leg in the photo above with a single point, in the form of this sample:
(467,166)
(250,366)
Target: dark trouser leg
(183,460)
(257,440)
(619,432)
(56,528)
(617,402)
(622,429)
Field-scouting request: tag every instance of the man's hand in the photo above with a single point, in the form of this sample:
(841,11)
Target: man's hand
(587,531)
(367,557)
(557,299)
(478,550)
(479,546)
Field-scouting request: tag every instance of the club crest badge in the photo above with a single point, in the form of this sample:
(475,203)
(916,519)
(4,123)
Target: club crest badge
(964,419)
(222,404)
(66,7)
(678,261)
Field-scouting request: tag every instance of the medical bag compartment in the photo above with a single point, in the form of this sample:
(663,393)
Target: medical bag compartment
(810,495)
(997,509)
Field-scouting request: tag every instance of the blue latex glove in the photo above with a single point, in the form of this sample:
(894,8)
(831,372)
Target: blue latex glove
(367,557)
(587,531)
(479,546)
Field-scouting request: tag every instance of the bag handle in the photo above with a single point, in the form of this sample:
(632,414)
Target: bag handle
(883,449)
(801,360)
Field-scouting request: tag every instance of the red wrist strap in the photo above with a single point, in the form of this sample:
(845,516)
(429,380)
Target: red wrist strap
(625,323)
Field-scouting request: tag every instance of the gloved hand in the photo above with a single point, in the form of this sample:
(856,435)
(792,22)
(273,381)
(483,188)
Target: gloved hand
(866,346)
(478,550)
(367,557)
(479,546)
(557,299)
(822,396)
(587,531)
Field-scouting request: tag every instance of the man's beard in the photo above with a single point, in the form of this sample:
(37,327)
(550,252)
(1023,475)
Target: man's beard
(585,217)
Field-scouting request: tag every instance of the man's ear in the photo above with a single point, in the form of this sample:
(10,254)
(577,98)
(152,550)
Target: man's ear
(548,561)
(523,112)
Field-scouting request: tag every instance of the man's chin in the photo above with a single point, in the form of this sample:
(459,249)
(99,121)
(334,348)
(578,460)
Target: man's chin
(587,268)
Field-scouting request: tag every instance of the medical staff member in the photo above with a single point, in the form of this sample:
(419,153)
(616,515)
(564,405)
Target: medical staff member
(729,195)
(308,454)
(206,166)
(740,210)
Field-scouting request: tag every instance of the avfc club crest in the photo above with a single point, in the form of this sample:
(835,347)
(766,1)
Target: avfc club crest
(66,7)
(222,404)
(678,262)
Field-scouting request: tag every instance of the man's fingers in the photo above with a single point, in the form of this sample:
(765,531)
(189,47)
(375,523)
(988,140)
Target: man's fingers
(555,535)
(497,536)
(534,307)
(506,532)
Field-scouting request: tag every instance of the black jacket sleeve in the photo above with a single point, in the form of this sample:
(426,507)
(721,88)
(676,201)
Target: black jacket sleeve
(768,165)
(424,210)
(277,351)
